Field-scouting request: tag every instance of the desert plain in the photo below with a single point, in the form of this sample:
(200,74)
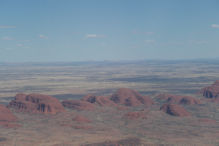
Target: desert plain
(107,103)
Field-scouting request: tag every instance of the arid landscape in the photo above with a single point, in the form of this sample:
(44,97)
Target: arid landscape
(110,103)
(109,73)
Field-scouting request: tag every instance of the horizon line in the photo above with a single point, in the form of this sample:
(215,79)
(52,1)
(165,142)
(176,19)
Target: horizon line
(93,61)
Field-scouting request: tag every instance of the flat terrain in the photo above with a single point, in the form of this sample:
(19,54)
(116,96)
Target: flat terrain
(108,124)
(76,79)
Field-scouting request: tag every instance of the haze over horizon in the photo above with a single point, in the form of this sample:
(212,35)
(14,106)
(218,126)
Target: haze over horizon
(82,30)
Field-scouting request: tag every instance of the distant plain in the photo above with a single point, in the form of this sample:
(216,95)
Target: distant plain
(74,80)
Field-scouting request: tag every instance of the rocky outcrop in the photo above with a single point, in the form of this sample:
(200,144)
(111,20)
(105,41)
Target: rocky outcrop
(7,118)
(130,97)
(171,98)
(99,100)
(123,96)
(78,105)
(189,100)
(174,110)
(211,91)
(36,103)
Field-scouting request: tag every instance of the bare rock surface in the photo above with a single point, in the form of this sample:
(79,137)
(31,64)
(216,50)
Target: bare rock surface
(99,100)
(130,97)
(174,110)
(36,103)
(178,99)
(211,91)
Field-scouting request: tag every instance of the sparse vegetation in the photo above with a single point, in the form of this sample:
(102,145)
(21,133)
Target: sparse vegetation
(107,125)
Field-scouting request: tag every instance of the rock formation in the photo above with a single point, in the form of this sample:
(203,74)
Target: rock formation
(174,110)
(130,97)
(123,96)
(7,117)
(78,105)
(211,91)
(99,100)
(170,98)
(36,103)
(189,100)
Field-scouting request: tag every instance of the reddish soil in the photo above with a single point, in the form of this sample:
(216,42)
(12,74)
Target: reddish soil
(81,119)
(84,127)
(174,110)
(135,115)
(122,108)
(130,97)
(36,103)
(78,105)
(207,121)
(132,141)
(216,100)
(7,118)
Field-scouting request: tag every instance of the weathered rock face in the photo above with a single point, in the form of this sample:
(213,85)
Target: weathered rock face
(123,96)
(99,100)
(36,103)
(7,117)
(170,98)
(211,91)
(78,105)
(174,110)
(130,97)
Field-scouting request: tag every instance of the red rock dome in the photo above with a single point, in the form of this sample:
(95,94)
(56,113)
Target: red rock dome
(36,103)
(174,110)
(99,100)
(178,99)
(130,97)
(211,91)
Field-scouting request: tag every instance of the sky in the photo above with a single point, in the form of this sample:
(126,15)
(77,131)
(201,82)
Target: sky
(97,30)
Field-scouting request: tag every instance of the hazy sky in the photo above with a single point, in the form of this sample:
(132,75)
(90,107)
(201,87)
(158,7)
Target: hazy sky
(79,30)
